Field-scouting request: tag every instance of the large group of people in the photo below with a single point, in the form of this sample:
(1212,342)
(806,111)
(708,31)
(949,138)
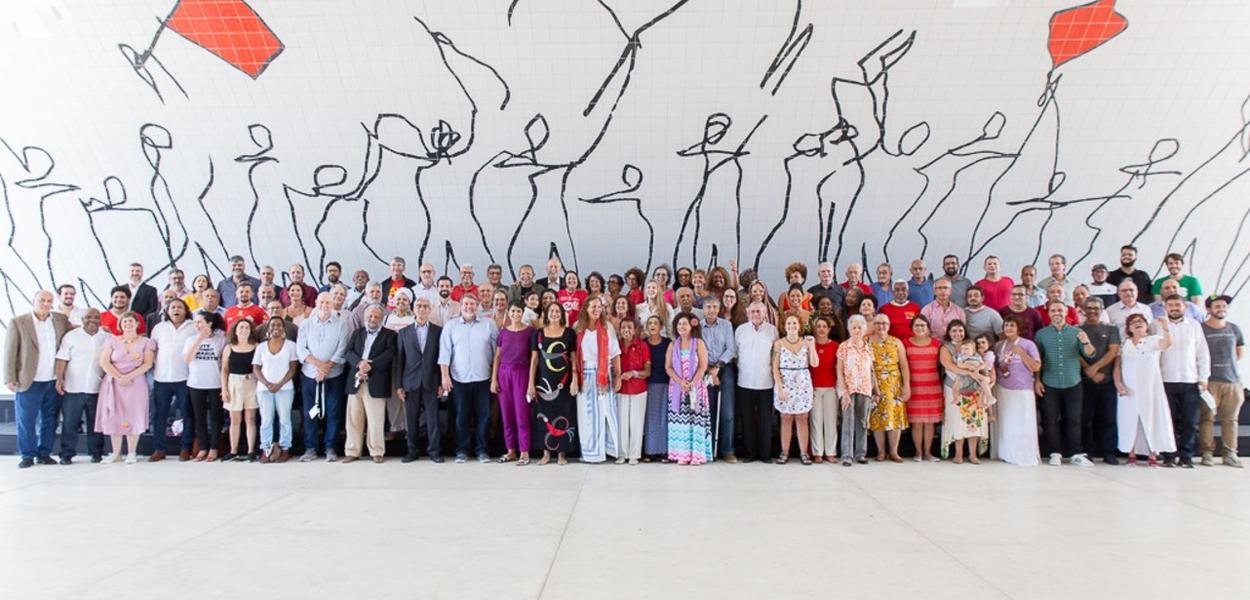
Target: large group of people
(681,366)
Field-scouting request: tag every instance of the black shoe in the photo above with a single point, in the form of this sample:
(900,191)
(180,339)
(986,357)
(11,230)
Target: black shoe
(1187,463)
(26,463)
(227,457)
(240,458)
(409,458)
(1110,460)
(66,460)
(252,458)
(47,460)
(436,459)
(96,458)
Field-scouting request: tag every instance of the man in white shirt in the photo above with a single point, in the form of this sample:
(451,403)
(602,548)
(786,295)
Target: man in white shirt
(169,375)
(66,295)
(78,375)
(755,383)
(1186,369)
(29,371)
(426,286)
(443,309)
(1102,288)
(1118,313)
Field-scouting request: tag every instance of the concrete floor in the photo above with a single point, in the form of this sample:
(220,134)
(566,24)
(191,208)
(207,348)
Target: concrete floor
(605,531)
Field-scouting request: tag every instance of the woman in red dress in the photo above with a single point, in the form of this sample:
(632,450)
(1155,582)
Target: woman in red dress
(924,409)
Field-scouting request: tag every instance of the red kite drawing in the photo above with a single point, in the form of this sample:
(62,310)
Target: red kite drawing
(229,29)
(1077,30)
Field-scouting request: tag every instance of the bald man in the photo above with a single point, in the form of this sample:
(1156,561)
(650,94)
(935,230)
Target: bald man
(30,372)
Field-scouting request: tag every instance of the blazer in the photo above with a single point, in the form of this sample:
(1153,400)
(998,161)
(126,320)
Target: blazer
(382,355)
(145,301)
(21,348)
(417,367)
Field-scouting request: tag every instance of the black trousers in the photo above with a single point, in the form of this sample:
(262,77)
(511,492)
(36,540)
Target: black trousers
(755,410)
(1184,400)
(206,404)
(1098,417)
(417,402)
(1061,419)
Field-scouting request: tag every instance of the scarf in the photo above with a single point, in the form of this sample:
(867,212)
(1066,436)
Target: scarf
(601,339)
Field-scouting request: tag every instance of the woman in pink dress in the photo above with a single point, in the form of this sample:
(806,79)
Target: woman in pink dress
(123,403)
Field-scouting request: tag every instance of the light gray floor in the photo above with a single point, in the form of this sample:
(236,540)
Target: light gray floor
(606,531)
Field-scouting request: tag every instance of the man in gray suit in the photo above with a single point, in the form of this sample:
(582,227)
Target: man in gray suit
(417,379)
(30,371)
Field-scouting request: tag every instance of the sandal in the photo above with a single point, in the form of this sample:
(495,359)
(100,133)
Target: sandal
(805,459)
(545,459)
(200,456)
(524,460)
(783,459)
(1132,460)
(509,457)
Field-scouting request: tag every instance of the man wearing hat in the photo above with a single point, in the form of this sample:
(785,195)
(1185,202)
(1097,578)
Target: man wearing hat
(1102,288)
(1226,344)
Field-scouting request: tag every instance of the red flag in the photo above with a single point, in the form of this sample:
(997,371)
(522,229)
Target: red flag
(229,29)
(1077,30)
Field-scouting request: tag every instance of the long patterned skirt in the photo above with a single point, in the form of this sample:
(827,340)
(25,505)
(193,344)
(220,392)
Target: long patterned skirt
(596,420)
(689,430)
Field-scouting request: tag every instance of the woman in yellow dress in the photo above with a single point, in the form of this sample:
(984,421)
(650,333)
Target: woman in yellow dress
(888,418)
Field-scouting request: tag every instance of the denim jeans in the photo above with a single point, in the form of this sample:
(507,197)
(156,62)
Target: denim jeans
(164,394)
(335,390)
(74,407)
(36,410)
(275,405)
(721,399)
(472,403)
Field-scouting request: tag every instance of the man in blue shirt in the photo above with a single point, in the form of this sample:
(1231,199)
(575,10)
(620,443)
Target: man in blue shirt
(466,351)
(920,286)
(718,335)
(321,347)
(1062,347)
(228,287)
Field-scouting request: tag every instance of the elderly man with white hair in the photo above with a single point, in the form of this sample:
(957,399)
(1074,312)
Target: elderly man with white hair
(30,371)
(322,346)
(369,363)
(755,383)
(825,286)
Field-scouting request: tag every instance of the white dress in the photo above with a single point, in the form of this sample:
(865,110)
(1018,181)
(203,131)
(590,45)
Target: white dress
(1144,410)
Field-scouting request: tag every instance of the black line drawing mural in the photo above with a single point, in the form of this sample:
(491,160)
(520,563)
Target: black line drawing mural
(789,53)
(492,165)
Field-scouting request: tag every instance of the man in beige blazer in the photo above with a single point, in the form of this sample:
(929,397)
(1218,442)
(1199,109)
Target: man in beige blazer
(30,371)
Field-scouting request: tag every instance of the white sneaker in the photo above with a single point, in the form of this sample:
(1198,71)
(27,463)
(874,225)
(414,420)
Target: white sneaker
(1056,459)
(131,459)
(1081,460)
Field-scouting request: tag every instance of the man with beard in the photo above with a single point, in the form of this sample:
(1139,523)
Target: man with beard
(119,304)
(143,298)
(1226,344)
(959,283)
(1189,287)
(267,274)
(1171,288)
(444,309)
(266,294)
(297,276)
(1019,307)
(1098,392)
(1186,369)
(227,288)
(1062,348)
(980,318)
(1128,258)
(333,271)
(178,283)
(78,376)
(66,296)
(244,308)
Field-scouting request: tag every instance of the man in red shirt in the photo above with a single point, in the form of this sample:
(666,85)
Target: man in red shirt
(397,280)
(854,276)
(997,288)
(1055,292)
(900,310)
(119,300)
(466,284)
(244,308)
(1019,307)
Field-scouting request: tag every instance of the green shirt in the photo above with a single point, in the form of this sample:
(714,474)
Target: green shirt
(1189,286)
(1061,356)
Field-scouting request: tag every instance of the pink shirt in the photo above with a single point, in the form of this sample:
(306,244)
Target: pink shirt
(939,317)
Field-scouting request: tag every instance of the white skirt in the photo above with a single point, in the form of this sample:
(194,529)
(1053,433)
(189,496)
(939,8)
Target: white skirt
(1014,431)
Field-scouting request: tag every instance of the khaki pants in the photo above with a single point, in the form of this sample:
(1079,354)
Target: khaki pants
(366,416)
(824,422)
(1228,400)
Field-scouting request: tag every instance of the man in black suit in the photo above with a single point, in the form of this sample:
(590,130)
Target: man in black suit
(417,379)
(370,360)
(143,298)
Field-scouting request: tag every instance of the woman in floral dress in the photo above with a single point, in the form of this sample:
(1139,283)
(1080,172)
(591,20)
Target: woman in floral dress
(888,418)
